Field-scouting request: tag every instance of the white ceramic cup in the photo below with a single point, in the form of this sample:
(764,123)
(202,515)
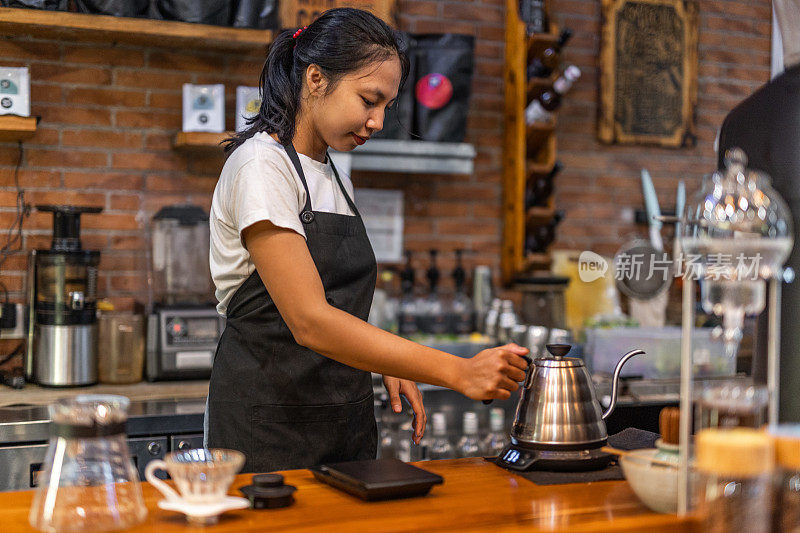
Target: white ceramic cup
(201,475)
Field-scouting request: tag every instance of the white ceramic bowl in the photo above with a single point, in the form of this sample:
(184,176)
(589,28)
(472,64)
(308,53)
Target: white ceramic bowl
(655,485)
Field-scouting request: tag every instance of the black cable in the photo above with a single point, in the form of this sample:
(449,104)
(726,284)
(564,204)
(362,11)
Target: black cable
(14,241)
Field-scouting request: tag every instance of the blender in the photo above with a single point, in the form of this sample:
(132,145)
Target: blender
(183,326)
(62,294)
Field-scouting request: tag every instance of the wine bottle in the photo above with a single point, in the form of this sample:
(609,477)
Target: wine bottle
(548,60)
(542,107)
(496,440)
(440,447)
(469,446)
(541,189)
(534,15)
(538,240)
(462,315)
(408,308)
(433,319)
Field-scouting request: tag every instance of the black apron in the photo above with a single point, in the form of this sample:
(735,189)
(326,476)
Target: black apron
(285,406)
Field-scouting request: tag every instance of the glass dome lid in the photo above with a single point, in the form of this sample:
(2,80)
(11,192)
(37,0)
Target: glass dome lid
(737,213)
(737,232)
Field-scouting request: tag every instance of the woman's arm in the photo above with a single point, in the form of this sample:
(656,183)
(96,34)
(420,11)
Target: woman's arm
(285,266)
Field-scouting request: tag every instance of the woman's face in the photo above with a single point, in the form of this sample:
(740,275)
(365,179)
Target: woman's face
(354,110)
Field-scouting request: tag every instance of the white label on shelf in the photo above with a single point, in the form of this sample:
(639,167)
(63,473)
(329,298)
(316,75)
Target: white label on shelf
(382,212)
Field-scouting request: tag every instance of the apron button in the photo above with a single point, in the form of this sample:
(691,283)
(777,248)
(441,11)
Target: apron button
(307,217)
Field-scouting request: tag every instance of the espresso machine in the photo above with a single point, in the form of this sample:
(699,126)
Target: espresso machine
(183,327)
(62,294)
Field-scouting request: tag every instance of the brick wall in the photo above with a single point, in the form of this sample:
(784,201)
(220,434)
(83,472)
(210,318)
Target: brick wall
(600,185)
(109,113)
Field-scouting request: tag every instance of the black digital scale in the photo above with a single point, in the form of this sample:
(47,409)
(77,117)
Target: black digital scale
(521,457)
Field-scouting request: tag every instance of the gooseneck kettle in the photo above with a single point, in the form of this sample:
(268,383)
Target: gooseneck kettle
(559,424)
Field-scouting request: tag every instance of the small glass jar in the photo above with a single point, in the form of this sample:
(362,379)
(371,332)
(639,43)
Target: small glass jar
(120,347)
(787,497)
(734,481)
(732,402)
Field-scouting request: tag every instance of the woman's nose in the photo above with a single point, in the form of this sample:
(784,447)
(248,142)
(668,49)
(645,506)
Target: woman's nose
(375,122)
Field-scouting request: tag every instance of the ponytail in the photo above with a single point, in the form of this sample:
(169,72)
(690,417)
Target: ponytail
(340,41)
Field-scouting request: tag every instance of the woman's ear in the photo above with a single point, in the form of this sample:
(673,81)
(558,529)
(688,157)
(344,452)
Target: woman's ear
(315,80)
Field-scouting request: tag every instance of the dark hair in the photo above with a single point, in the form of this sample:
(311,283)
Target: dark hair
(340,41)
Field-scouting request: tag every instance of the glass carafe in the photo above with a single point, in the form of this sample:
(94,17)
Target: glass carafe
(737,234)
(88,482)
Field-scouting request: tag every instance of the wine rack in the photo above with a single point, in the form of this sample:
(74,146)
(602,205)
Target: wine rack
(529,151)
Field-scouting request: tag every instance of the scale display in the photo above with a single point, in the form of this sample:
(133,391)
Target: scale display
(516,458)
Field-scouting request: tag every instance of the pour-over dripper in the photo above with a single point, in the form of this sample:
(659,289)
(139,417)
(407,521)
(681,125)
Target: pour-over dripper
(737,233)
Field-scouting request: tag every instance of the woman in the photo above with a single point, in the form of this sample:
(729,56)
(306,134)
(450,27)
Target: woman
(294,270)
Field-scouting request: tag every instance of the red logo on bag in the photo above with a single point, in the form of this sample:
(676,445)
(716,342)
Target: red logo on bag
(434,91)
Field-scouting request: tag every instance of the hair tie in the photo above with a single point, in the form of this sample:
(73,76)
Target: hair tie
(297,34)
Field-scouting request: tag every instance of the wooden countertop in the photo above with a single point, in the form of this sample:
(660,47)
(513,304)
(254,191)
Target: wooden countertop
(160,390)
(477,496)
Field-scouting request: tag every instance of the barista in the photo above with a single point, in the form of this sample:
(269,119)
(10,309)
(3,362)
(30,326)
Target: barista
(767,127)
(295,272)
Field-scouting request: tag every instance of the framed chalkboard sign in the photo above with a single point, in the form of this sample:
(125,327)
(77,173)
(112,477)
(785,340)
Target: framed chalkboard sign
(648,72)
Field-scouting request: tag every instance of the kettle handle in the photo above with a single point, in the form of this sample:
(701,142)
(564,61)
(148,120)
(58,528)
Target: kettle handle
(527,373)
(615,380)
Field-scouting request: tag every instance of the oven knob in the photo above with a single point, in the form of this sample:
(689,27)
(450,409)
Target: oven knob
(154,449)
(184,445)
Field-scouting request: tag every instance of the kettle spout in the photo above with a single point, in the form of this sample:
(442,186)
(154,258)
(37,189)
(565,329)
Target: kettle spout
(615,380)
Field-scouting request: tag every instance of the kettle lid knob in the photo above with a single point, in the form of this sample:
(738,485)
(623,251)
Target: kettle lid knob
(558,350)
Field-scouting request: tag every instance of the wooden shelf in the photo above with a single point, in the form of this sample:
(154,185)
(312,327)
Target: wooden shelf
(528,151)
(102,28)
(378,155)
(199,141)
(537,261)
(535,169)
(536,216)
(537,86)
(536,135)
(14,128)
(539,41)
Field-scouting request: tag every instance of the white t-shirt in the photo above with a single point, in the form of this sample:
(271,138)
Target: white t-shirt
(258,182)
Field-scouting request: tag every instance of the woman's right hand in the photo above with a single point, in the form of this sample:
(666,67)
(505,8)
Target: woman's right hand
(494,373)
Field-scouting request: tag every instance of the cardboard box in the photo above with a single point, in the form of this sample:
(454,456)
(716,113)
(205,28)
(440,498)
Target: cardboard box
(298,13)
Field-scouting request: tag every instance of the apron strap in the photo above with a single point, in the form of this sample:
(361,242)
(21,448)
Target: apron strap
(307,214)
(344,191)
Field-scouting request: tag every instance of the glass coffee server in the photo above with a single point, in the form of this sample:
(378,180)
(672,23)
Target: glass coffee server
(736,235)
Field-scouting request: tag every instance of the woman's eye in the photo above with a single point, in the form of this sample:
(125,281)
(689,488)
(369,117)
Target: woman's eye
(369,103)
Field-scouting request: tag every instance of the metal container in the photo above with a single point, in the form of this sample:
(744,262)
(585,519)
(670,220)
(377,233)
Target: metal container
(558,406)
(65,355)
(533,338)
(543,300)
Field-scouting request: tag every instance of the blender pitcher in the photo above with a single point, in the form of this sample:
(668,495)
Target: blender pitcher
(180,244)
(88,482)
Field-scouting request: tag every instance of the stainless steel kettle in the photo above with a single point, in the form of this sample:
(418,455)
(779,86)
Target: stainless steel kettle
(558,407)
